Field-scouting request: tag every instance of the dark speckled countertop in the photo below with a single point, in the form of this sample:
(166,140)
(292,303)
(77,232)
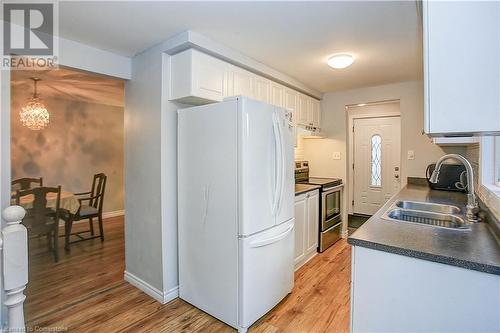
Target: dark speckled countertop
(476,249)
(303,188)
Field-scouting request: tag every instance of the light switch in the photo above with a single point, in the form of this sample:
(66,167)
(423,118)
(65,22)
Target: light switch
(336,155)
(411,154)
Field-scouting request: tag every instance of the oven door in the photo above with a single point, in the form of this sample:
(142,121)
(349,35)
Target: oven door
(331,202)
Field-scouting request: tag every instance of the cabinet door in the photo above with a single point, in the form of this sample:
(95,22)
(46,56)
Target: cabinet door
(312,221)
(290,103)
(316,113)
(290,100)
(300,228)
(262,89)
(197,78)
(462,66)
(243,83)
(302,113)
(277,92)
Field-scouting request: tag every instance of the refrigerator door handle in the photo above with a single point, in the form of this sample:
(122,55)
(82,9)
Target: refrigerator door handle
(272,240)
(278,153)
(282,164)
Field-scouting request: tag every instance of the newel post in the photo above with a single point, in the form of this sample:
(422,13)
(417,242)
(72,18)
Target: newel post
(15,266)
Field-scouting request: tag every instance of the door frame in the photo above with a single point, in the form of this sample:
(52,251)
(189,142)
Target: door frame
(355,111)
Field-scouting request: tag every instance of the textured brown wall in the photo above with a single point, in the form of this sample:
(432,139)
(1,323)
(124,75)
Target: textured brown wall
(82,139)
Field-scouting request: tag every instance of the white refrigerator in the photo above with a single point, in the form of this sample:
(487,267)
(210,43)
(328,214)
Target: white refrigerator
(235,208)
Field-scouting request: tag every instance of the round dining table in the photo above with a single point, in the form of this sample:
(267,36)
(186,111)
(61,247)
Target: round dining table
(68,202)
(68,206)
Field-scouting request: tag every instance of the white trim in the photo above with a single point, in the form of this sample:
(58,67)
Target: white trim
(488,191)
(115,213)
(84,57)
(353,111)
(303,262)
(162,297)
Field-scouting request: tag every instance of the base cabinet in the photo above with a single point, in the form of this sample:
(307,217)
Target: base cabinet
(395,293)
(306,227)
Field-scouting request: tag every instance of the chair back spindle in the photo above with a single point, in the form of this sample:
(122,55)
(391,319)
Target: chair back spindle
(26,183)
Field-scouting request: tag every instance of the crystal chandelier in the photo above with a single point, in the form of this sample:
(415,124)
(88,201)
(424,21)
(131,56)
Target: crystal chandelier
(34,115)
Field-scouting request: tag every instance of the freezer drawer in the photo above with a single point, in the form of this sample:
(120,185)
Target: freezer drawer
(266,271)
(328,237)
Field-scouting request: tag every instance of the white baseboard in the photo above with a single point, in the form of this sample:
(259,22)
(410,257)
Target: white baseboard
(162,297)
(107,215)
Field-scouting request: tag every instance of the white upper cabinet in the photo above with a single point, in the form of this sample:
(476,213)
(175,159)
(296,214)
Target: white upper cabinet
(302,110)
(462,67)
(308,112)
(262,89)
(197,78)
(277,94)
(290,101)
(315,113)
(242,82)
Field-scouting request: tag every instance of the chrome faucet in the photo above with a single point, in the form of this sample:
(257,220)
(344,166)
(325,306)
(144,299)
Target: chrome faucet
(472,206)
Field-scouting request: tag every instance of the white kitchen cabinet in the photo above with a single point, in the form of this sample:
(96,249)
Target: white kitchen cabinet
(262,91)
(308,112)
(396,293)
(197,78)
(315,113)
(290,103)
(302,110)
(461,67)
(300,229)
(290,100)
(312,222)
(306,227)
(242,82)
(277,94)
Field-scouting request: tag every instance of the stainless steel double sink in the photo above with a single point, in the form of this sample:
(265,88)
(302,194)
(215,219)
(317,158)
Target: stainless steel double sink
(432,214)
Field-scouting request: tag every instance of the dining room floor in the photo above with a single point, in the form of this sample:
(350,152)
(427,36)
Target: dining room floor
(85,292)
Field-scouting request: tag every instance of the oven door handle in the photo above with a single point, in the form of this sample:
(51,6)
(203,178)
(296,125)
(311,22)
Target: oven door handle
(333,189)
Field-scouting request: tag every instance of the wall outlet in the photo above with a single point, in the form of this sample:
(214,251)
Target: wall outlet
(411,154)
(336,155)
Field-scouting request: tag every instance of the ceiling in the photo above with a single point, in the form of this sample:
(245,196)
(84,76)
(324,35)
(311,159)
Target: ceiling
(70,84)
(295,38)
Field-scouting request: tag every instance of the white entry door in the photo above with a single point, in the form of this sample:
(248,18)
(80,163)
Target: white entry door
(377,154)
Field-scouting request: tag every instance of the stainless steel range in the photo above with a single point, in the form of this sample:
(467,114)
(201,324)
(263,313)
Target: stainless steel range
(330,220)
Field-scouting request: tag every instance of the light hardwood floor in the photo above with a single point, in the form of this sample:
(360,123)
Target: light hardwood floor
(85,292)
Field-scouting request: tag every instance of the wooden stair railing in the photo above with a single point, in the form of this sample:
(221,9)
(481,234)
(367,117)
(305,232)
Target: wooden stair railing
(14,246)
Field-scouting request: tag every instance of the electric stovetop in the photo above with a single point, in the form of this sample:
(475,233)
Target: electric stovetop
(323,182)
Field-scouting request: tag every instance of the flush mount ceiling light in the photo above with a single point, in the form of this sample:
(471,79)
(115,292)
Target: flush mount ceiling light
(34,114)
(340,61)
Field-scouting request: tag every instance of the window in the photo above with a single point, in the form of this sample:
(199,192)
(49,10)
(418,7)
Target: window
(489,191)
(497,160)
(376,164)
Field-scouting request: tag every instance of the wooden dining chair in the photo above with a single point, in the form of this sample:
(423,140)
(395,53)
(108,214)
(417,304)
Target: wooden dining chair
(42,219)
(91,205)
(26,183)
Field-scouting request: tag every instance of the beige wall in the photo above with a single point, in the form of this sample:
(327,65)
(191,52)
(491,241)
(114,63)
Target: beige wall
(334,123)
(82,139)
